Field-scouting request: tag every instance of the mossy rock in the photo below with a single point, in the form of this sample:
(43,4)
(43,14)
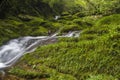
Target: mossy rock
(36,22)
(72,27)
(39,31)
(109,20)
(25,17)
(83,23)
(80,14)
(65,13)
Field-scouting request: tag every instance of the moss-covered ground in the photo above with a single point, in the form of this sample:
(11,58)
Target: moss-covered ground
(95,55)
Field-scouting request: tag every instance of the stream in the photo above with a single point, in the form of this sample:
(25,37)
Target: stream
(14,49)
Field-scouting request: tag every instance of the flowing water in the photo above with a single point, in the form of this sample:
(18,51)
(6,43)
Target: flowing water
(16,48)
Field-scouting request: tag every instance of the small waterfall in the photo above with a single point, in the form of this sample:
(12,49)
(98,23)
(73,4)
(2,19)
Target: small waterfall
(12,51)
(57,17)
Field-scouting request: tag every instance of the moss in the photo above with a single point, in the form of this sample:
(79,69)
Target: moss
(80,14)
(28,74)
(25,17)
(71,27)
(88,37)
(39,31)
(109,20)
(35,21)
(101,77)
(81,22)
(64,13)
(93,55)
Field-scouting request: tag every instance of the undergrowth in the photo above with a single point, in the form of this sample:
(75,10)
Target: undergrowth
(92,56)
(95,55)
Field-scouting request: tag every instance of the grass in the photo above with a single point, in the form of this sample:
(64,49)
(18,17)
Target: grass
(92,56)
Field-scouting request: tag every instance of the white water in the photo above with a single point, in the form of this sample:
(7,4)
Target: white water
(16,48)
(57,17)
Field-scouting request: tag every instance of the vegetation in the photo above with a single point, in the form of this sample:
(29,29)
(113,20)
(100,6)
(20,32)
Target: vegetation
(92,56)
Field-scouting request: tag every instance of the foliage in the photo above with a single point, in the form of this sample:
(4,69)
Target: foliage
(92,56)
(113,20)
(56,7)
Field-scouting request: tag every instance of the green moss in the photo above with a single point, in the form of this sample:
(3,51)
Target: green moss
(83,23)
(109,20)
(64,13)
(35,21)
(101,77)
(28,74)
(39,31)
(94,55)
(25,17)
(72,27)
